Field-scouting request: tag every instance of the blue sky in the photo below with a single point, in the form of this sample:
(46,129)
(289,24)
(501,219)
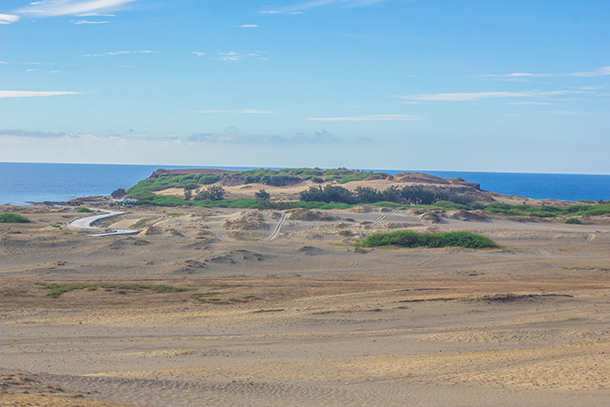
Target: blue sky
(519,86)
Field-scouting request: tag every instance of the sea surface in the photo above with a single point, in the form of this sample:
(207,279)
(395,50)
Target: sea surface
(21,183)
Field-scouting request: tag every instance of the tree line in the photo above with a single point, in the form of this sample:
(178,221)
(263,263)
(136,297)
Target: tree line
(366,195)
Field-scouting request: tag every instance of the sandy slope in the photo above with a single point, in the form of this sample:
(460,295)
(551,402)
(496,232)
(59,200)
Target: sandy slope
(304,319)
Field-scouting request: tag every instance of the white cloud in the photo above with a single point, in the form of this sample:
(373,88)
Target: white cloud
(95,15)
(199,54)
(8,18)
(598,72)
(469,97)
(121,53)
(50,8)
(248,26)
(570,113)
(297,8)
(605,70)
(367,118)
(239,111)
(31,70)
(89,22)
(27,94)
(236,56)
(529,103)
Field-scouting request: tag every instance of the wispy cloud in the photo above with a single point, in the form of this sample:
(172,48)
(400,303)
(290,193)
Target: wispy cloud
(96,15)
(470,97)
(529,103)
(51,8)
(237,56)
(605,70)
(36,134)
(367,118)
(199,54)
(238,111)
(8,18)
(89,22)
(298,8)
(121,53)
(248,26)
(29,94)
(568,113)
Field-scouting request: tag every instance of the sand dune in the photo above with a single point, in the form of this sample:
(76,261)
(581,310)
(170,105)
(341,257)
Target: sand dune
(304,319)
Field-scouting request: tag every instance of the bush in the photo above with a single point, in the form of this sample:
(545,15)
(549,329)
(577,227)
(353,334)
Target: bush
(573,221)
(213,193)
(407,238)
(262,195)
(84,210)
(13,218)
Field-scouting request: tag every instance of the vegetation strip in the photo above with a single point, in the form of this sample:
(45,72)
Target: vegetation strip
(13,218)
(55,290)
(329,196)
(410,239)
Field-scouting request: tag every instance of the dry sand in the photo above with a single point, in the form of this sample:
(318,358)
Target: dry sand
(304,319)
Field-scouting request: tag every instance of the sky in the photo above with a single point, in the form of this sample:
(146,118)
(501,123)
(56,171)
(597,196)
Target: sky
(473,85)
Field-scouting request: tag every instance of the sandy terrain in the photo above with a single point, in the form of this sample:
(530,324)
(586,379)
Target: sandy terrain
(297,316)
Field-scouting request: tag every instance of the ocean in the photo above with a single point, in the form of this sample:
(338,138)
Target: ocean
(21,183)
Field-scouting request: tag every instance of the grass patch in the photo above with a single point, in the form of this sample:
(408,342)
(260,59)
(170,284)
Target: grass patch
(407,238)
(13,218)
(85,210)
(55,225)
(143,223)
(573,221)
(55,290)
(175,214)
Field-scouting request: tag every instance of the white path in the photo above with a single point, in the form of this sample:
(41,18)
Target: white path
(277,228)
(88,222)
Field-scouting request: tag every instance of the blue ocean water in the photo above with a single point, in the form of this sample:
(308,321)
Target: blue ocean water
(35,182)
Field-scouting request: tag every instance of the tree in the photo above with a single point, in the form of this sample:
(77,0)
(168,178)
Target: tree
(262,195)
(367,195)
(213,193)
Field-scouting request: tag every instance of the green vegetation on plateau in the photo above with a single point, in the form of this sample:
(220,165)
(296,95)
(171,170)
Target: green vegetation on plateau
(408,238)
(285,176)
(367,195)
(55,290)
(330,196)
(13,218)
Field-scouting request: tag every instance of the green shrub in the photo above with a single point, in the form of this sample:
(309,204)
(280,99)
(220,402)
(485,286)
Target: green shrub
(573,221)
(262,195)
(407,238)
(213,193)
(13,218)
(175,214)
(84,210)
